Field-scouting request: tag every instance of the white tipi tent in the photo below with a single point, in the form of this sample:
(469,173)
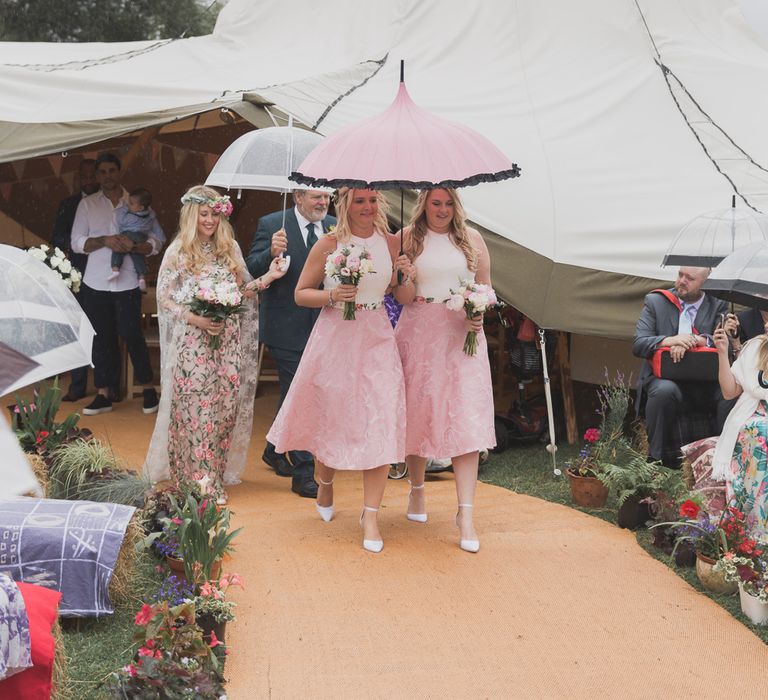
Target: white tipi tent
(627,117)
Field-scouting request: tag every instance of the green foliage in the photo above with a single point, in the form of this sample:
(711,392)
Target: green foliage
(34,422)
(88,470)
(105,20)
(639,477)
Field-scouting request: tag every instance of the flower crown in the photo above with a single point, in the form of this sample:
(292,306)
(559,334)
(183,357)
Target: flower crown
(221,205)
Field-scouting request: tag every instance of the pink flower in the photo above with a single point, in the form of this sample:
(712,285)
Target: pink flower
(209,428)
(199,453)
(592,435)
(214,641)
(176,521)
(194,424)
(205,404)
(130,669)
(209,455)
(144,615)
(200,361)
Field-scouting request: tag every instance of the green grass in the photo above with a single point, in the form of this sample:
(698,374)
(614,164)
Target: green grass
(528,470)
(96,648)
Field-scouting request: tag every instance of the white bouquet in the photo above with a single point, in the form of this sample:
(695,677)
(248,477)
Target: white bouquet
(58,262)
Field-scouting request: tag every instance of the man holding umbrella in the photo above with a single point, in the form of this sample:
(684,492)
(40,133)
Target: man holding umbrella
(680,318)
(284,327)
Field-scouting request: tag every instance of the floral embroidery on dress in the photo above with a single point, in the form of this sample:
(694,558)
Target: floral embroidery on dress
(749,485)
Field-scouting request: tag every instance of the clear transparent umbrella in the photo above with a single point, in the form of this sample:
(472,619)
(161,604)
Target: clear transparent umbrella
(707,239)
(742,277)
(40,318)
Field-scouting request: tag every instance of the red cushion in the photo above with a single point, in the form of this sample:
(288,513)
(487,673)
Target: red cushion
(42,610)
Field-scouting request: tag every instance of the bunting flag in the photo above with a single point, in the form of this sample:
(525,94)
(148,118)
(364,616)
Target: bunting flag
(69,180)
(179,156)
(18,168)
(155,151)
(5,190)
(210,161)
(56,162)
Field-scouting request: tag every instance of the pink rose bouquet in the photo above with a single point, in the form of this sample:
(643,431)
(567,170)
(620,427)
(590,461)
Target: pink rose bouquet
(216,299)
(348,264)
(474,299)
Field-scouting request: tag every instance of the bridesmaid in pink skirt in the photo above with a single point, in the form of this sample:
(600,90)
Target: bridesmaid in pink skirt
(347,400)
(449,398)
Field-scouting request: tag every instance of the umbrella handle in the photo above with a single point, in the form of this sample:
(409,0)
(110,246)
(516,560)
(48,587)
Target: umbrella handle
(399,272)
(552,447)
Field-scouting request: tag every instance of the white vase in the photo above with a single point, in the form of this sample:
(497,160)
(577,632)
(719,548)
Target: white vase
(754,608)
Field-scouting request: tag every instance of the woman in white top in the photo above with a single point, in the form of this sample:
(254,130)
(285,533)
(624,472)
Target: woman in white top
(449,397)
(347,400)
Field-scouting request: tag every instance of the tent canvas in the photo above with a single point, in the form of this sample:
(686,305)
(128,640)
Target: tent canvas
(627,117)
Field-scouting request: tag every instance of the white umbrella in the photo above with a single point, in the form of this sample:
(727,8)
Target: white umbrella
(263,159)
(16,475)
(707,239)
(742,277)
(40,318)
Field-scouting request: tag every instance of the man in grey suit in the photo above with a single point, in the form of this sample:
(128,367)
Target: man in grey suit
(284,327)
(662,324)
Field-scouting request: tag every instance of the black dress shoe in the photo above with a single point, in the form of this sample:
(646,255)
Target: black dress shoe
(305,486)
(279,463)
(72,397)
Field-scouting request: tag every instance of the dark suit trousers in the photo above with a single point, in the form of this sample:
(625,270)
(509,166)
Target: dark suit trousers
(78,377)
(112,314)
(667,399)
(287,362)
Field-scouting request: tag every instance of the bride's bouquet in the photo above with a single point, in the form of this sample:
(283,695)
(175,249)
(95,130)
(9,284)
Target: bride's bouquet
(348,264)
(474,299)
(58,262)
(216,299)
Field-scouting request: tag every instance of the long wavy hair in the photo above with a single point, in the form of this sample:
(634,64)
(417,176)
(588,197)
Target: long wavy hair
(762,355)
(458,230)
(343,230)
(223,239)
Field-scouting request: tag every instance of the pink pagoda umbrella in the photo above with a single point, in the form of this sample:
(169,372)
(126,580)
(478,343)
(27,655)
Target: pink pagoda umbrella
(404,147)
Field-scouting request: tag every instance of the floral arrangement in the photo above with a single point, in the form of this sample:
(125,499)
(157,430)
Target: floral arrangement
(211,600)
(58,262)
(584,464)
(197,530)
(348,264)
(173,660)
(35,425)
(216,299)
(474,299)
(751,573)
(221,205)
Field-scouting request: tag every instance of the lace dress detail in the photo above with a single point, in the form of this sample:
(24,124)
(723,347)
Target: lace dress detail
(205,416)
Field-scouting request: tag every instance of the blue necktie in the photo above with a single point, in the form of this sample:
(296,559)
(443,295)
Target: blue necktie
(686,319)
(311,236)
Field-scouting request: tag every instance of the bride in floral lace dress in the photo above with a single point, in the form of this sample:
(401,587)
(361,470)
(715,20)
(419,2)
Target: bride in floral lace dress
(206,408)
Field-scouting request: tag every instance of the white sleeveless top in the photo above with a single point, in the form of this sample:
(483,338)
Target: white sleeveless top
(373,285)
(440,267)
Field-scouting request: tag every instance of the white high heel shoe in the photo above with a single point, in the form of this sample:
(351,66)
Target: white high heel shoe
(374,546)
(326,512)
(467,545)
(415,517)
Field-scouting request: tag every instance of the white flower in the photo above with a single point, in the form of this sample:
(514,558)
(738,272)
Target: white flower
(44,248)
(455,302)
(65,266)
(478,301)
(366,266)
(37,253)
(55,262)
(75,275)
(58,253)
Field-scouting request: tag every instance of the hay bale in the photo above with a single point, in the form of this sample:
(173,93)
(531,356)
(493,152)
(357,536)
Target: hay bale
(125,566)
(60,689)
(40,470)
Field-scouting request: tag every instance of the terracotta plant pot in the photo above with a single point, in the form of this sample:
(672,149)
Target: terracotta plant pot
(713,581)
(754,608)
(632,514)
(177,567)
(587,491)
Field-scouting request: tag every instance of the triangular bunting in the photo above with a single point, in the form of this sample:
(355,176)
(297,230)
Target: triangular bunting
(5,190)
(18,168)
(210,161)
(56,162)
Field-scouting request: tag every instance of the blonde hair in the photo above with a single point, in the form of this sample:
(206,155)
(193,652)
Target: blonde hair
(223,239)
(344,196)
(459,232)
(762,355)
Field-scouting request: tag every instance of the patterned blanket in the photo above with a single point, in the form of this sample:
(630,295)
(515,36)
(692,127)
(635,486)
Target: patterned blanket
(69,546)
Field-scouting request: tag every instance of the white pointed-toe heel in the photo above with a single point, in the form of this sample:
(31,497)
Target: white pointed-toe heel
(374,546)
(326,512)
(467,545)
(415,517)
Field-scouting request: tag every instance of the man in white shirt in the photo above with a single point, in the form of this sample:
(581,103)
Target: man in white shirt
(113,306)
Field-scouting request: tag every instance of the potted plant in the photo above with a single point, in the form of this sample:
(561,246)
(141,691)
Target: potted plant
(198,530)
(212,609)
(641,487)
(172,659)
(587,490)
(711,539)
(750,573)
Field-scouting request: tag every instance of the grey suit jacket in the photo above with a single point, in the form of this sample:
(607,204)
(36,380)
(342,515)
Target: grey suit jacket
(659,319)
(282,324)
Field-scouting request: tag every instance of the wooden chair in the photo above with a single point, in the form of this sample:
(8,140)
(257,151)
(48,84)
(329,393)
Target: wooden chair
(264,375)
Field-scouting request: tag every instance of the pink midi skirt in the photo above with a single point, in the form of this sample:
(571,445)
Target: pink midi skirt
(448,395)
(346,404)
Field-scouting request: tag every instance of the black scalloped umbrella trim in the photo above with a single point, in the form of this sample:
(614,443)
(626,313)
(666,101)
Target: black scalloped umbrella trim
(336,183)
(692,260)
